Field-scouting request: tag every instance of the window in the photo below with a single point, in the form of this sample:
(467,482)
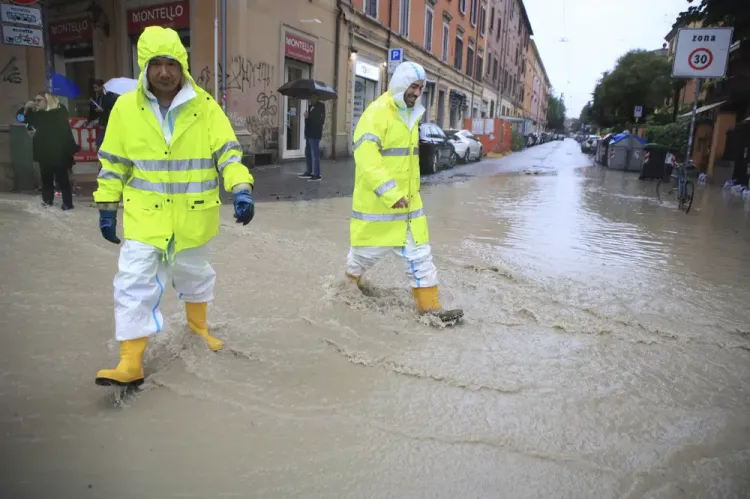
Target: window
(482,21)
(492,18)
(462,6)
(428,22)
(403,28)
(446,41)
(473,15)
(494,69)
(458,57)
(489,64)
(499,27)
(512,8)
(479,68)
(371,8)
(470,61)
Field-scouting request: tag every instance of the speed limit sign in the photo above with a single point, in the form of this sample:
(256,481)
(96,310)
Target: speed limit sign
(702,52)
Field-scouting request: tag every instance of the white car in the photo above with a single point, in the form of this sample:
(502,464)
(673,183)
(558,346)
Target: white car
(466,144)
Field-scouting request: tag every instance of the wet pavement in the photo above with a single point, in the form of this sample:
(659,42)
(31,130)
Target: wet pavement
(280,182)
(605,351)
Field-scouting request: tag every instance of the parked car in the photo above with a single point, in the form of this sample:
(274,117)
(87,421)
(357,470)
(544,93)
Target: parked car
(588,146)
(435,150)
(467,145)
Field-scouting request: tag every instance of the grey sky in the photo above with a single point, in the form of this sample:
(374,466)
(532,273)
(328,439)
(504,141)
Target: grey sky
(598,32)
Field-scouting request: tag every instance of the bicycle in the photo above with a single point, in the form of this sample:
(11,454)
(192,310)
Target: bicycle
(685,188)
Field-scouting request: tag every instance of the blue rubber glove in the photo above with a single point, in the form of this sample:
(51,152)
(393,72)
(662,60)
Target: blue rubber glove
(108,225)
(244,208)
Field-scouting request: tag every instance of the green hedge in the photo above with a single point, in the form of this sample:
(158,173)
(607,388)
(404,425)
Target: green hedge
(673,135)
(517,141)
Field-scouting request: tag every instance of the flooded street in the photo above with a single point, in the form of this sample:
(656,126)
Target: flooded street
(605,351)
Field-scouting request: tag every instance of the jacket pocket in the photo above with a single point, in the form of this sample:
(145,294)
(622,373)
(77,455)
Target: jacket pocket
(200,202)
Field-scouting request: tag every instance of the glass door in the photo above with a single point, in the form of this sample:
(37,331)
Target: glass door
(294,126)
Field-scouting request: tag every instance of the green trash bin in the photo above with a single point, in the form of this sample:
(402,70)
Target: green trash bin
(22,158)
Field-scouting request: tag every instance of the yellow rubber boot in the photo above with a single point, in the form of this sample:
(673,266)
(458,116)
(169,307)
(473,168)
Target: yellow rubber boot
(196,317)
(129,371)
(427,299)
(354,278)
(429,303)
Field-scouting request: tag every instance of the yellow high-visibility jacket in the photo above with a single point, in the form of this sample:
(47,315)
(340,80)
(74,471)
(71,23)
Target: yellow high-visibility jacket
(386,154)
(167,174)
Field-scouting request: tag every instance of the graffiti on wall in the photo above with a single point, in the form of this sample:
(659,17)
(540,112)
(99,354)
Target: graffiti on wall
(10,72)
(252,101)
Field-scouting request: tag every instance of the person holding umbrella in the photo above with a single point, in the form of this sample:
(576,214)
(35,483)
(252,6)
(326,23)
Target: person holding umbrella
(387,212)
(315,92)
(315,118)
(165,147)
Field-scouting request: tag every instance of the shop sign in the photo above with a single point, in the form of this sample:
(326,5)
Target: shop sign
(28,37)
(85,137)
(299,48)
(368,71)
(71,31)
(23,2)
(170,15)
(21,15)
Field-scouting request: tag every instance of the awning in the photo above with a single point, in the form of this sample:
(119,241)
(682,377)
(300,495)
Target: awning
(703,109)
(455,94)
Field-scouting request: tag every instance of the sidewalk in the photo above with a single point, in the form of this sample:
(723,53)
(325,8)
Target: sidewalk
(274,182)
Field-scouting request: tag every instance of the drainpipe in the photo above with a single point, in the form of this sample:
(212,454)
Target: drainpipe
(49,58)
(216,50)
(336,55)
(390,26)
(224,55)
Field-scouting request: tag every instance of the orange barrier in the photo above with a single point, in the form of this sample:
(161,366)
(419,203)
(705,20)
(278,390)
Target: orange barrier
(494,134)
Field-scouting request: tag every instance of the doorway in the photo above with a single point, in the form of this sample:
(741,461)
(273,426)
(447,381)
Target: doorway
(294,126)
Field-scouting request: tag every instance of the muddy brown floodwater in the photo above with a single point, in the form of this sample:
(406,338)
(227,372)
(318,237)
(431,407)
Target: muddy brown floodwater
(604,355)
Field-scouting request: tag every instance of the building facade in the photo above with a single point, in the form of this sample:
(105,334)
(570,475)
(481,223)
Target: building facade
(509,37)
(536,90)
(474,53)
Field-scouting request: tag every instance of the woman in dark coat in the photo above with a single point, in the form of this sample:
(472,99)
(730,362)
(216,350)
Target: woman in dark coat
(54,145)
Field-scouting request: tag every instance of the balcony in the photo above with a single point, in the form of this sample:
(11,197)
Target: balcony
(736,86)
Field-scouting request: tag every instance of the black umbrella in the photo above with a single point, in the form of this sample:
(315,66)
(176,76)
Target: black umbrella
(303,89)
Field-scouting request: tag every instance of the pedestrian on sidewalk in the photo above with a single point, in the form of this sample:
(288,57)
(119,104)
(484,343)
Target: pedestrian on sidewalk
(387,212)
(53,145)
(315,118)
(165,147)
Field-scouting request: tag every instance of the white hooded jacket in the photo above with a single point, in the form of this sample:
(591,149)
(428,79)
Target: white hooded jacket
(405,75)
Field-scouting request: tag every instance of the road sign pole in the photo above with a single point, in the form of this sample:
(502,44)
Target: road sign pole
(698,82)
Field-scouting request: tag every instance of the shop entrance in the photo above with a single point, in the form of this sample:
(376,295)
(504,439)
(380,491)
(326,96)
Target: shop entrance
(366,89)
(294,126)
(73,57)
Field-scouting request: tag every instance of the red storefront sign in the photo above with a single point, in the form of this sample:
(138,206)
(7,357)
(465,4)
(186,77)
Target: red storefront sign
(299,48)
(86,138)
(169,15)
(23,2)
(71,31)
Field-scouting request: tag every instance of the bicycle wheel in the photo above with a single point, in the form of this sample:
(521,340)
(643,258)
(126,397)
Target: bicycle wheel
(658,190)
(689,192)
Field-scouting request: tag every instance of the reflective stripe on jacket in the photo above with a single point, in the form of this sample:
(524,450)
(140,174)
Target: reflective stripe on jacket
(169,188)
(386,154)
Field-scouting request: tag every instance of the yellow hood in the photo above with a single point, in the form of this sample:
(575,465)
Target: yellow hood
(156,41)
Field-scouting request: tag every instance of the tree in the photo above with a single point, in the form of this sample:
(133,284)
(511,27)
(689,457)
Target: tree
(640,78)
(555,113)
(734,13)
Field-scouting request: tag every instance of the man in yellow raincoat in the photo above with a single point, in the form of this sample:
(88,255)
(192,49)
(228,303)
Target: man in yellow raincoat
(166,144)
(387,213)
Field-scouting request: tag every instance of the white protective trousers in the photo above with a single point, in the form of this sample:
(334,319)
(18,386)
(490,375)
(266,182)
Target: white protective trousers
(417,259)
(139,285)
